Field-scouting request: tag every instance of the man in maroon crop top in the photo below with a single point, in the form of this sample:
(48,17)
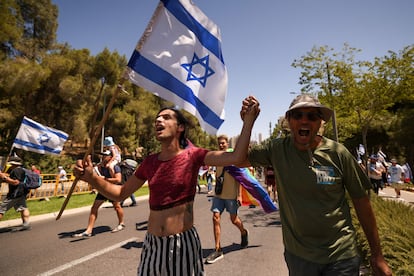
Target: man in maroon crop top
(172,179)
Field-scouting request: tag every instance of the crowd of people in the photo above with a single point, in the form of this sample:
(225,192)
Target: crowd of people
(307,173)
(382,173)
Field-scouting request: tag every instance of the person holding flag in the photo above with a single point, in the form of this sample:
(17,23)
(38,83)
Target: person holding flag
(172,243)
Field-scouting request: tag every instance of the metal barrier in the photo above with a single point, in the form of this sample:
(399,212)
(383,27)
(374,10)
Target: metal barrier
(51,186)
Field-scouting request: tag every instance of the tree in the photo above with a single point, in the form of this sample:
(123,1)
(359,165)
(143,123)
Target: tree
(29,28)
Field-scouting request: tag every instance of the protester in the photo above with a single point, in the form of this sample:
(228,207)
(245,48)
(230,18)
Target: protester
(172,241)
(270,182)
(210,176)
(396,173)
(115,151)
(375,173)
(16,197)
(408,173)
(229,199)
(35,169)
(314,174)
(61,174)
(114,180)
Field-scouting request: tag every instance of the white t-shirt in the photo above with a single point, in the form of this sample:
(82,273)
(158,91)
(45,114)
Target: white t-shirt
(395,172)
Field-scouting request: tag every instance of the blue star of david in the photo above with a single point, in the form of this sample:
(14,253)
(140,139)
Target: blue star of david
(43,138)
(201,65)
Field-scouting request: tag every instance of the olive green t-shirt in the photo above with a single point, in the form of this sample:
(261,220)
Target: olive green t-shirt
(315,215)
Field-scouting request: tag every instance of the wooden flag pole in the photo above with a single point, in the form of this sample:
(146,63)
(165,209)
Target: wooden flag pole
(92,144)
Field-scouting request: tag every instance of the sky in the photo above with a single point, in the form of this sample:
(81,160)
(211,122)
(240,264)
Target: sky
(260,40)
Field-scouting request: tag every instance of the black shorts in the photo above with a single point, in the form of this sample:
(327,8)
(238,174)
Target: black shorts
(101,197)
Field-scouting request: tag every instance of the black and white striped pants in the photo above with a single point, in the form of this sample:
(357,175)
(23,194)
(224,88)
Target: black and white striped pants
(178,254)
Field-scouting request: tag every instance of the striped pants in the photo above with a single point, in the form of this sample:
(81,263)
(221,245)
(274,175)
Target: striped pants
(178,254)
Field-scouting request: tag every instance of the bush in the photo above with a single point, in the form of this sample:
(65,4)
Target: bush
(395,222)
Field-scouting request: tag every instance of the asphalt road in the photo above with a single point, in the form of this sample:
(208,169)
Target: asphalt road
(48,249)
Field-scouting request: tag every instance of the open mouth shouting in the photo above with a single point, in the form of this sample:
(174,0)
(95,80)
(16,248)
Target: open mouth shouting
(304,132)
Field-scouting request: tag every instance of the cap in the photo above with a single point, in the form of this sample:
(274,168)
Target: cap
(106,153)
(60,167)
(305,100)
(374,156)
(393,160)
(108,141)
(15,160)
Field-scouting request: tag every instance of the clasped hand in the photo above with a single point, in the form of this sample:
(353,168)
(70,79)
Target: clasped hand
(250,108)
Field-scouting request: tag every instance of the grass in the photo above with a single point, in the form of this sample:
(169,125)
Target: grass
(39,207)
(396,229)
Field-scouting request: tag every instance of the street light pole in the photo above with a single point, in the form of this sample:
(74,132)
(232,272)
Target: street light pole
(103,112)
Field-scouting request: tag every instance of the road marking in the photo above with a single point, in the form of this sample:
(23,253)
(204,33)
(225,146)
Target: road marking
(86,258)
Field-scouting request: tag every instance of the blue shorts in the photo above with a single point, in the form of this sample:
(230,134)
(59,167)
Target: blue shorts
(219,205)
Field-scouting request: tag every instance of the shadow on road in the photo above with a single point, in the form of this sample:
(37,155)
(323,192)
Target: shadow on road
(226,249)
(132,244)
(95,231)
(260,218)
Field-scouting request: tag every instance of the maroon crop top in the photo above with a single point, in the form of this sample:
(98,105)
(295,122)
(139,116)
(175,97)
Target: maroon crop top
(172,182)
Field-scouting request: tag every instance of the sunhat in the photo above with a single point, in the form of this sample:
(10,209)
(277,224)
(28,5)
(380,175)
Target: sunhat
(108,141)
(305,100)
(15,160)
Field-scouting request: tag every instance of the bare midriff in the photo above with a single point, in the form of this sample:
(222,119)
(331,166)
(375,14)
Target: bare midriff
(171,221)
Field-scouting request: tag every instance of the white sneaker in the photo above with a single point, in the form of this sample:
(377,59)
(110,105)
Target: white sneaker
(120,227)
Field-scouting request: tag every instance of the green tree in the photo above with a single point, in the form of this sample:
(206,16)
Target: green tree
(29,28)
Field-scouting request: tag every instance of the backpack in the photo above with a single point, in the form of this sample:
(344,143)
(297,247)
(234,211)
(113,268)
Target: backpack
(31,180)
(128,167)
(219,183)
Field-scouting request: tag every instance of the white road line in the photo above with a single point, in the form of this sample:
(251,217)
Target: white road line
(86,258)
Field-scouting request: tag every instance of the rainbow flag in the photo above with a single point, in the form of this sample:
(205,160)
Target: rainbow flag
(253,187)
(247,199)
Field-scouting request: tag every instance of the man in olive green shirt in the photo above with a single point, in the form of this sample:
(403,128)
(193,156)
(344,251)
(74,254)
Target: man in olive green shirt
(313,174)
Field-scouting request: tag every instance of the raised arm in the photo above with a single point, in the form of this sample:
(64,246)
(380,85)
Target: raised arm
(249,112)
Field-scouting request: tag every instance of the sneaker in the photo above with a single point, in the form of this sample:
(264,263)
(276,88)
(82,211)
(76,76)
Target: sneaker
(25,226)
(120,227)
(215,256)
(244,239)
(82,235)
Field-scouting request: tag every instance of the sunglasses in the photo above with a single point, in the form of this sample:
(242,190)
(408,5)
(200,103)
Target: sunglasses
(312,116)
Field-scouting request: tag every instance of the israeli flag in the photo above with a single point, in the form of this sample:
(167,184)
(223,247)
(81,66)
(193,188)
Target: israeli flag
(36,137)
(179,59)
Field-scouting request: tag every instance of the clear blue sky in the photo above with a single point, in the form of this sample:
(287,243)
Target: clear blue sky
(261,38)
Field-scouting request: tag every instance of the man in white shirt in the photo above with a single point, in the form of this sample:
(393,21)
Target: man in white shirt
(396,174)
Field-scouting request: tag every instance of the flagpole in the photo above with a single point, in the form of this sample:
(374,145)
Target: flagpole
(92,144)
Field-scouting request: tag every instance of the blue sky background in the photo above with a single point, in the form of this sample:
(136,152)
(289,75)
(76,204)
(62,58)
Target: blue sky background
(261,38)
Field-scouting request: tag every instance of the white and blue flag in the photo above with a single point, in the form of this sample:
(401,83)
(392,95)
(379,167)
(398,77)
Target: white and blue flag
(36,137)
(178,58)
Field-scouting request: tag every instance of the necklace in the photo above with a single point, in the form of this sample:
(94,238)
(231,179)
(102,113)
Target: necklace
(311,160)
